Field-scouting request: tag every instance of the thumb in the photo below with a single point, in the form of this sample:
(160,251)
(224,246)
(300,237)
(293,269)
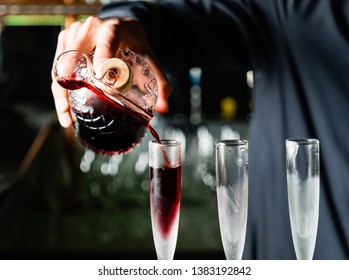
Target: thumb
(107,42)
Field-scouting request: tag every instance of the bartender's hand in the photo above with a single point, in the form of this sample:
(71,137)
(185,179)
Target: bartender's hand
(104,37)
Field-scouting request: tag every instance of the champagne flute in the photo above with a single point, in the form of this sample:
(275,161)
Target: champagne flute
(165,161)
(232,194)
(303,186)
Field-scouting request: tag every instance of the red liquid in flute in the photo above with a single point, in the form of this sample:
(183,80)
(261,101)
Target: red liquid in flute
(165,194)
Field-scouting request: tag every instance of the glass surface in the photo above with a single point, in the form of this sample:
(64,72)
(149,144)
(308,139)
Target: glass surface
(303,184)
(165,165)
(232,194)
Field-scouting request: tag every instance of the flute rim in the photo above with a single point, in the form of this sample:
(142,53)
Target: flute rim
(231,142)
(166,142)
(303,141)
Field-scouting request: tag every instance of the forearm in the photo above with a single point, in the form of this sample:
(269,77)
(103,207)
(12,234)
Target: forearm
(184,34)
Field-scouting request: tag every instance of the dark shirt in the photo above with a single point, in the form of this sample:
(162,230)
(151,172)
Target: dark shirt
(298,51)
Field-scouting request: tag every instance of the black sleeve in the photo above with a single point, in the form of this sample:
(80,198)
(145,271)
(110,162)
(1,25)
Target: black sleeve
(188,33)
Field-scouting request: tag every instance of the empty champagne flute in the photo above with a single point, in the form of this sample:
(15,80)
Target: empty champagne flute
(165,161)
(232,194)
(303,186)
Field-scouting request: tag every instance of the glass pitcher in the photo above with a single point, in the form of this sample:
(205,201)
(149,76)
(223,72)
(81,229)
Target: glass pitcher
(113,104)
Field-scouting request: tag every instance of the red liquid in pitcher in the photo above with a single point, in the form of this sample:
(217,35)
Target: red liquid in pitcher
(109,129)
(165,196)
